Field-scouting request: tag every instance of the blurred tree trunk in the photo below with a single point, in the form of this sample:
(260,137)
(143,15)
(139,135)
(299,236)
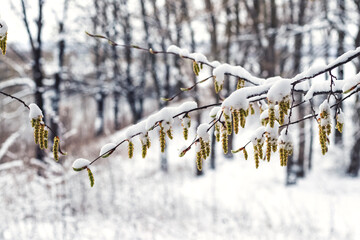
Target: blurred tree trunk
(185,14)
(325,7)
(55,100)
(134,98)
(116,68)
(37,67)
(227,86)
(99,96)
(159,86)
(212,28)
(340,51)
(296,166)
(353,169)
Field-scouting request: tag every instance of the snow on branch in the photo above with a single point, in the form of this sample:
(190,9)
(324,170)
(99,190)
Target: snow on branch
(272,97)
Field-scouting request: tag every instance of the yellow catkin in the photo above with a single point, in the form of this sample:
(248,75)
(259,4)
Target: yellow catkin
(162,139)
(286,155)
(185,133)
(56,148)
(216,86)
(281,154)
(256,156)
(33,122)
(41,136)
(268,149)
(148,142)
(323,139)
(208,149)
(91,177)
(274,146)
(143,150)
(130,149)
(272,115)
(46,136)
(240,83)
(196,68)
(199,161)
(203,148)
(260,150)
(37,131)
(245,154)
(236,114)
(328,129)
(228,124)
(217,132)
(224,139)
(339,126)
(242,118)
(169,134)
(252,110)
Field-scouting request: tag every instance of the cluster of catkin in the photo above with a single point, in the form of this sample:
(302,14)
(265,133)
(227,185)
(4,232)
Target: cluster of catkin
(145,145)
(233,118)
(202,151)
(41,132)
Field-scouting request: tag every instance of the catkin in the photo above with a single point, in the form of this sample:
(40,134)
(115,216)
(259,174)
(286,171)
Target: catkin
(245,154)
(224,139)
(217,132)
(240,83)
(41,136)
(199,161)
(91,177)
(228,124)
(37,131)
(242,118)
(236,114)
(169,134)
(131,149)
(143,150)
(56,148)
(256,156)
(268,149)
(46,136)
(272,115)
(162,139)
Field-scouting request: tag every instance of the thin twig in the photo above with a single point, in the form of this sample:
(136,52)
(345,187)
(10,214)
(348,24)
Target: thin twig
(18,99)
(186,89)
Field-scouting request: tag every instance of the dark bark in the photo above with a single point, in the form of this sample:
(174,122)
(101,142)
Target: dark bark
(55,101)
(116,69)
(340,50)
(212,28)
(353,169)
(37,68)
(299,170)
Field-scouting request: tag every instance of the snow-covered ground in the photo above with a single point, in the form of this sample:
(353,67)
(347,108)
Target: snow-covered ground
(132,199)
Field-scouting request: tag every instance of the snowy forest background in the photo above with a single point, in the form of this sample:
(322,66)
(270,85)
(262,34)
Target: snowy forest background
(90,91)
